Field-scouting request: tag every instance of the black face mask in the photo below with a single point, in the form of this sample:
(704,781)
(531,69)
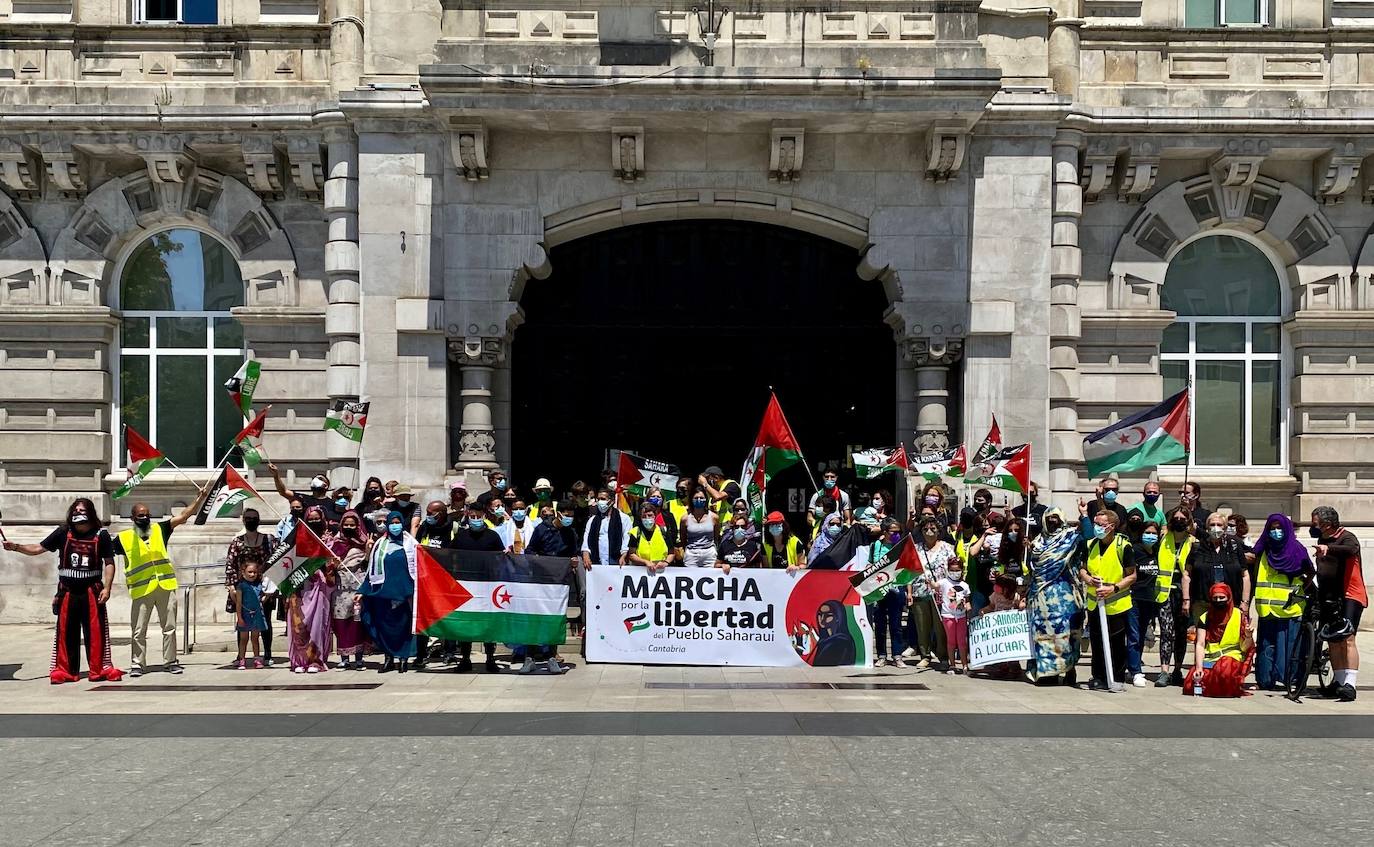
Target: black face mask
(1315,532)
(250,524)
(297,513)
(143,522)
(1218,604)
(317,526)
(1178,524)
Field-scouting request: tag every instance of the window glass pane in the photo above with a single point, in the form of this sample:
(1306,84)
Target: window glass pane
(1242,11)
(1200,13)
(1220,410)
(133,393)
(199,12)
(181,410)
(159,10)
(1175,339)
(181,332)
(134,332)
(1221,338)
(183,270)
(1264,338)
(1264,413)
(228,334)
(1221,275)
(228,418)
(1175,380)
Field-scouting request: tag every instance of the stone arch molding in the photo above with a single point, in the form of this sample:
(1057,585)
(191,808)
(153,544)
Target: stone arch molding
(1286,219)
(1363,283)
(124,211)
(23,259)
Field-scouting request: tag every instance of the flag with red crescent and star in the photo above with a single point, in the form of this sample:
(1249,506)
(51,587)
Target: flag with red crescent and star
(477,596)
(1157,436)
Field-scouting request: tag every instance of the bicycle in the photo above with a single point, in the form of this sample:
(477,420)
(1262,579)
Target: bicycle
(1309,653)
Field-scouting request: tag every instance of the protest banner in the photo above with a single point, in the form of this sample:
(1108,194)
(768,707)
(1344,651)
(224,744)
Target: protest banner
(749,617)
(999,637)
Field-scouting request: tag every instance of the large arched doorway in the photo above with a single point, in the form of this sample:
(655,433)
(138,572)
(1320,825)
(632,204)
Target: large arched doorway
(665,337)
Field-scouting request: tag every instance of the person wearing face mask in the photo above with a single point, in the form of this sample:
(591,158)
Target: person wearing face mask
(295,515)
(681,503)
(1175,556)
(152,581)
(885,616)
(1149,508)
(1219,558)
(1222,647)
(783,548)
(497,480)
(254,546)
(1342,595)
(1108,571)
(476,535)
(830,529)
(604,541)
(351,543)
(968,546)
(720,491)
(556,535)
(738,548)
(85,574)
(982,502)
(403,501)
(1108,494)
(648,544)
(436,530)
(654,497)
(1190,497)
(521,527)
(1053,599)
(457,501)
(316,495)
(309,610)
(371,497)
(933,497)
(543,496)
(498,521)
(1032,512)
(924,633)
(1282,567)
(883,503)
(1144,607)
(341,502)
(700,531)
(388,592)
(1011,553)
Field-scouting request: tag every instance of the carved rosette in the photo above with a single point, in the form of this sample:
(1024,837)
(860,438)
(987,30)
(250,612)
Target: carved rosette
(923,352)
(930,442)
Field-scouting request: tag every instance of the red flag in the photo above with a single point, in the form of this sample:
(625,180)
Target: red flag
(437,593)
(774,431)
(140,450)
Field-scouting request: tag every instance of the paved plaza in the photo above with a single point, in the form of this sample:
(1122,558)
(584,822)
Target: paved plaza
(609,755)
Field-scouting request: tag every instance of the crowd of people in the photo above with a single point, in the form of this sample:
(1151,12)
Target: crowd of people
(1175,575)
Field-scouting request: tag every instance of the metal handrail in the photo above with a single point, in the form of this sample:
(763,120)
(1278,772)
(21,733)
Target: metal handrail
(189,625)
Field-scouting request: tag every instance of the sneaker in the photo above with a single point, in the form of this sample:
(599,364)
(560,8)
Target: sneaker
(59,676)
(1138,680)
(239,665)
(267,662)
(298,670)
(879,662)
(1346,694)
(899,662)
(1096,685)
(924,663)
(1162,681)
(135,672)
(1176,678)
(950,672)
(554,666)
(312,669)
(175,668)
(909,653)
(257,664)
(528,666)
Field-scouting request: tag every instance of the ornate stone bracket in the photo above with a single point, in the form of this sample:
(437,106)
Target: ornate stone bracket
(945,148)
(786,146)
(1097,167)
(261,167)
(21,169)
(1236,169)
(473,351)
(307,166)
(63,166)
(469,146)
(1139,171)
(932,351)
(169,164)
(1336,171)
(627,152)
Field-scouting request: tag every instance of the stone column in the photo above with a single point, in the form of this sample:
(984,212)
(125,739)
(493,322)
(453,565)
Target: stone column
(476,359)
(1066,268)
(932,359)
(341,267)
(501,412)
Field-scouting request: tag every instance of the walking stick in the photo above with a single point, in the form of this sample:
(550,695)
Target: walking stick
(1112,684)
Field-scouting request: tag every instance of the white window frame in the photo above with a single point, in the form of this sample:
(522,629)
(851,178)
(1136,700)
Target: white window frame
(1263,15)
(153,353)
(1249,357)
(141,14)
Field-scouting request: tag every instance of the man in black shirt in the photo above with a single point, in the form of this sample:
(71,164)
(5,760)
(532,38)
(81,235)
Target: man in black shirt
(1107,493)
(1190,496)
(1340,580)
(316,495)
(1032,511)
(436,530)
(476,536)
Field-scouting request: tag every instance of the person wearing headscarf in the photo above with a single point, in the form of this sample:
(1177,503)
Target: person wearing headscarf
(388,591)
(1054,598)
(1282,566)
(1222,647)
(309,610)
(350,542)
(830,529)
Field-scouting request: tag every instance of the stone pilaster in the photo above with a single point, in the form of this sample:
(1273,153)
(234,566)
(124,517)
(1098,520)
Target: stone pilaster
(477,359)
(930,361)
(1066,269)
(341,267)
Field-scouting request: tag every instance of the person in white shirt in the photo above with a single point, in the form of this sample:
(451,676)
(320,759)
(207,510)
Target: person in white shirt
(952,596)
(521,527)
(604,542)
(500,522)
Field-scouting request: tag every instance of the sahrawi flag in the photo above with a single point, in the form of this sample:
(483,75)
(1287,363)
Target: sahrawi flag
(292,563)
(249,439)
(477,596)
(226,495)
(951,463)
(143,459)
(775,448)
(636,475)
(1008,469)
(898,566)
(242,385)
(1156,436)
(990,445)
(347,419)
(876,462)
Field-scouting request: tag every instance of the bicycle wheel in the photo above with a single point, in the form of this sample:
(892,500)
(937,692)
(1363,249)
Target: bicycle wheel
(1321,665)
(1301,660)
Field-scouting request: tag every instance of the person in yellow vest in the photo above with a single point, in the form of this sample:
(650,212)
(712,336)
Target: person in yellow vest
(1108,571)
(648,543)
(152,581)
(1222,647)
(782,548)
(722,492)
(1282,569)
(1174,554)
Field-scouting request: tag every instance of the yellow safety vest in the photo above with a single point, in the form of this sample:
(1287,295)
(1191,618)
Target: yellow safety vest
(653,548)
(678,510)
(1107,567)
(792,550)
(1172,559)
(1230,640)
(147,567)
(726,508)
(1272,590)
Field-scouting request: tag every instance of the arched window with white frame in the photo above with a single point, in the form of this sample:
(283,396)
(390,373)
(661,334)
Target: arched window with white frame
(179,343)
(1227,341)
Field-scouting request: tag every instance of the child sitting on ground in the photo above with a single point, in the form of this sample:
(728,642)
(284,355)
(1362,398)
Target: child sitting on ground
(1005,597)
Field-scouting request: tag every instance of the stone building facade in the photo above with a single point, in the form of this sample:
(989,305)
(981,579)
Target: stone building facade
(1071,210)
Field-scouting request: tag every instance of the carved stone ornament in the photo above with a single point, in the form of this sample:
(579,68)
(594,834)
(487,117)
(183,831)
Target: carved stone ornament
(63,167)
(931,442)
(475,351)
(1336,172)
(477,443)
(21,169)
(1137,177)
(933,351)
(469,147)
(307,166)
(785,149)
(945,148)
(260,166)
(627,152)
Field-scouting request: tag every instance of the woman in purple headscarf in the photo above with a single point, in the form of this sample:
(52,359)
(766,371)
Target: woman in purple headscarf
(1282,568)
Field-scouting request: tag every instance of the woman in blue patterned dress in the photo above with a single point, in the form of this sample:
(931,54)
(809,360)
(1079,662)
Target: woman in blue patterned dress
(1055,601)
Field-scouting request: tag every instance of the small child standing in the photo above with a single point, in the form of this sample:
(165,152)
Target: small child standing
(251,620)
(953,596)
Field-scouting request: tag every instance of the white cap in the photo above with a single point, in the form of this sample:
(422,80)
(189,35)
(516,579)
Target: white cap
(543,483)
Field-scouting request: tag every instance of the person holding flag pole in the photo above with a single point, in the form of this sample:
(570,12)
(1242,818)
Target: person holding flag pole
(1109,572)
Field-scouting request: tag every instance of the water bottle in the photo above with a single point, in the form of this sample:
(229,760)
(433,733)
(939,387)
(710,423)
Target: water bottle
(1197,685)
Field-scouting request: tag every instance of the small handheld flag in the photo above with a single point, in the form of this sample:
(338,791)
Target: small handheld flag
(144,458)
(951,463)
(242,385)
(1008,469)
(227,494)
(347,419)
(878,461)
(249,439)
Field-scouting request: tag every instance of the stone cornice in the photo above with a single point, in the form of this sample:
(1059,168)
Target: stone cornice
(131,118)
(1329,320)
(1257,122)
(1096,34)
(94,315)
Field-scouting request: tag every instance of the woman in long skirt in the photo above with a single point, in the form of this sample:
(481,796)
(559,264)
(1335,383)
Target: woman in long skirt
(387,593)
(309,612)
(350,544)
(1054,600)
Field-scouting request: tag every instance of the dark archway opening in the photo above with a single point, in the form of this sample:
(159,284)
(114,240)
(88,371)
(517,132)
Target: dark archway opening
(663,338)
